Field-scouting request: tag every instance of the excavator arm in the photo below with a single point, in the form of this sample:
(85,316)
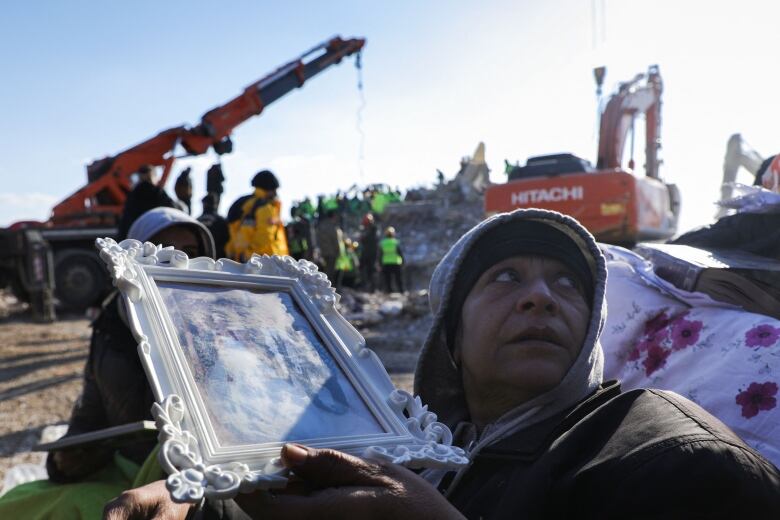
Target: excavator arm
(618,118)
(738,154)
(109,180)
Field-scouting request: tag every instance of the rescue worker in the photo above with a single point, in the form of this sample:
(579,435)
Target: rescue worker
(329,241)
(347,265)
(259,229)
(145,195)
(391,259)
(369,243)
(307,209)
(299,237)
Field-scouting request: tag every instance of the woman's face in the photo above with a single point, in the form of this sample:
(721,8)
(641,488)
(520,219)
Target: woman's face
(522,326)
(182,238)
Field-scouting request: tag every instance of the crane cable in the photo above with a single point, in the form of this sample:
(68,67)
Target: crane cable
(361,107)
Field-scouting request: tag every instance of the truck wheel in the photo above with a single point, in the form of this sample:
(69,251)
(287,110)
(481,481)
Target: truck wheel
(79,279)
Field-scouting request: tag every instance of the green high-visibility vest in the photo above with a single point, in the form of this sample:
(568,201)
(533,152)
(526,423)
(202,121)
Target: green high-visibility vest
(389,247)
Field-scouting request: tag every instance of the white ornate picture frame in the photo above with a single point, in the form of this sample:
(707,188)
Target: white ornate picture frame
(244,357)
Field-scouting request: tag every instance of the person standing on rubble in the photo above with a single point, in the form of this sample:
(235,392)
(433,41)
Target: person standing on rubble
(392,259)
(330,240)
(369,244)
(259,229)
(299,236)
(145,195)
(347,265)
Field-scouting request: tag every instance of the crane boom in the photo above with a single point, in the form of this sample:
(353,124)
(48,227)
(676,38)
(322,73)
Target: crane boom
(109,180)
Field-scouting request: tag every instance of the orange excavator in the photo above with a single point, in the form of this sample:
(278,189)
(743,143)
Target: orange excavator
(94,210)
(615,203)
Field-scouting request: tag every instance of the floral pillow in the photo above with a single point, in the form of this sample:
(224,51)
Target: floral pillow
(725,359)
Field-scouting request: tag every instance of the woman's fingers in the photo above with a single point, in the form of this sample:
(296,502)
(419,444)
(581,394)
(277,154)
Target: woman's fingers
(322,468)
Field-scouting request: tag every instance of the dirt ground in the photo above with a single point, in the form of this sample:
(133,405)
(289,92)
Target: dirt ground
(41,367)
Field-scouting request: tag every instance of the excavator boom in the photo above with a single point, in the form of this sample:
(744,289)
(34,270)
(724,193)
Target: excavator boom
(618,118)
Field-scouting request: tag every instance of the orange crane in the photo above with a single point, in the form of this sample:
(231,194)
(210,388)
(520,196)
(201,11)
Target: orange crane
(100,201)
(614,203)
(94,210)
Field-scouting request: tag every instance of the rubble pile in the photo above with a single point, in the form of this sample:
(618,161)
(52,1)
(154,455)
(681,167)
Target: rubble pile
(393,325)
(428,223)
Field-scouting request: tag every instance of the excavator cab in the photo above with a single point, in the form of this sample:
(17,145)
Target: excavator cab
(616,204)
(550,165)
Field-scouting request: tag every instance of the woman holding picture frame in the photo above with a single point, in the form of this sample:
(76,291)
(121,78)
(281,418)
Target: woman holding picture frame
(513,366)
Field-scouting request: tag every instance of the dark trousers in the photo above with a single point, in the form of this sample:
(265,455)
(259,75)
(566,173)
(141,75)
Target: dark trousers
(330,267)
(367,273)
(392,272)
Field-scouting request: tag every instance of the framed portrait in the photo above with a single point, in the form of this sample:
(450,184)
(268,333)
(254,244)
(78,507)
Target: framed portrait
(245,357)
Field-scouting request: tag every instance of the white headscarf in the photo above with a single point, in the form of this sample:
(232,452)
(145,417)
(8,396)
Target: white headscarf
(157,219)
(437,378)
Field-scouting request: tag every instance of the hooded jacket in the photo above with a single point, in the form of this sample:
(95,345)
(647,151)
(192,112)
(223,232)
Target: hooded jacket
(584,449)
(437,378)
(158,219)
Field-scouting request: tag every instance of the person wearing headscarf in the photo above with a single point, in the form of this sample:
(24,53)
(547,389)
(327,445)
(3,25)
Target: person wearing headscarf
(115,393)
(115,389)
(513,365)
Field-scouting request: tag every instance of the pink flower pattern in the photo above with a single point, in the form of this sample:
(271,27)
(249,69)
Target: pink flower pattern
(757,397)
(762,336)
(664,335)
(685,333)
(656,358)
(657,323)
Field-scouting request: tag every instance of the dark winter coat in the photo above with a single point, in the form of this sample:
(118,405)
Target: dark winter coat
(582,449)
(639,454)
(757,233)
(115,392)
(145,196)
(218,227)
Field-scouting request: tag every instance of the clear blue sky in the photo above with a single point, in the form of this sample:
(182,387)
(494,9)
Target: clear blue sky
(81,80)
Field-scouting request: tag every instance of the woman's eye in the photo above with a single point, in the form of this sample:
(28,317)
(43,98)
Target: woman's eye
(506,276)
(568,280)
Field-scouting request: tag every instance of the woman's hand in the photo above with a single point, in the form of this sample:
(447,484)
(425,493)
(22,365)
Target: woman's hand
(150,502)
(332,484)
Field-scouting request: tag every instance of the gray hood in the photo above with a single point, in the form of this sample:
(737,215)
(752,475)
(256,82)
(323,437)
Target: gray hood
(437,379)
(157,219)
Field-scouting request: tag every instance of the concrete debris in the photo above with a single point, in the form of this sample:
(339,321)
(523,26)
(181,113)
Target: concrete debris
(474,174)
(9,304)
(428,222)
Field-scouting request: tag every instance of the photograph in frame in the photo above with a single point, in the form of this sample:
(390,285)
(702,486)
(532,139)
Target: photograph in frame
(240,343)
